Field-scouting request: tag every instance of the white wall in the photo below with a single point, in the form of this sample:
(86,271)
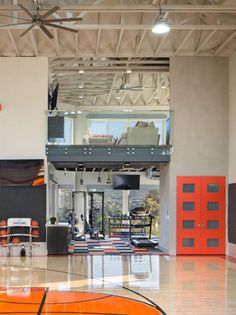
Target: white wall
(232,131)
(199,100)
(23,95)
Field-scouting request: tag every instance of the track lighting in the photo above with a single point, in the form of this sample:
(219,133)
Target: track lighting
(81,179)
(99,178)
(108,178)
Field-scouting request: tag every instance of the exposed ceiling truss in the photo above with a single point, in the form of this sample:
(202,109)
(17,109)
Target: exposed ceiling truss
(101,82)
(113,36)
(114,28)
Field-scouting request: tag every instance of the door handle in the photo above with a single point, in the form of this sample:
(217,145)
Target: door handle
(201,225)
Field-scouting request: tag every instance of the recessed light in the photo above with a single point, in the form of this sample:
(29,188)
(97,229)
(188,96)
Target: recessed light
(80,96)
(81,71)
(72,112)
(128,71)
(66,113)
(79,112)
(81,86)
(127,110)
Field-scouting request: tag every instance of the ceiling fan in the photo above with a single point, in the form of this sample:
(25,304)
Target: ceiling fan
(36,19)
(126,86)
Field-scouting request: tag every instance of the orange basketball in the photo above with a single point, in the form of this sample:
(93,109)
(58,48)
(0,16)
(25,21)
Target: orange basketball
(3,232)
(3,223)
(3,242)
(15,240)
(35,232)
(34,223)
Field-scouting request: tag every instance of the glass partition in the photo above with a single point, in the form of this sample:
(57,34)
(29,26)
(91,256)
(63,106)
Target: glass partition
(103,128)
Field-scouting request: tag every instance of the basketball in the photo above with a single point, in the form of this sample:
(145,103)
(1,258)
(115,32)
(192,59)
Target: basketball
(35,232)
(15,240)
(3,242)
(3,232)
(34,223)
(3,223)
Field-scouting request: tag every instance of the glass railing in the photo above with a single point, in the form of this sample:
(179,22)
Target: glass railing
(104,128)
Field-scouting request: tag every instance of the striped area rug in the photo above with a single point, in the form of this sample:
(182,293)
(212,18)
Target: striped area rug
(114,246)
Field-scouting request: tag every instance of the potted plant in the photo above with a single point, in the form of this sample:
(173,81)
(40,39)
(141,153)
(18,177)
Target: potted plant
(53,220)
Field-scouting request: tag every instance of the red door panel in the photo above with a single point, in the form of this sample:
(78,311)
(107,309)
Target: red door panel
(201,215)
(188,220)
(213,214)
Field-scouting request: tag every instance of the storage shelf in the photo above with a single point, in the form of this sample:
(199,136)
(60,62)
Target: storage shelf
(18,234)
(134,222)
(14,228)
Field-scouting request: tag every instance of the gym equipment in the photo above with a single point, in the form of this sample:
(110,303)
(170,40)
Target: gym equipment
(78,234)
(143,242)
(96,214)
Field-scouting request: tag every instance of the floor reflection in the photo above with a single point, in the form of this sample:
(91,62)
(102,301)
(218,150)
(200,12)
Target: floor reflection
(179,285)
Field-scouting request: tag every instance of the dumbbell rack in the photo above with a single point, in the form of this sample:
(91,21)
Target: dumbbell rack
(19,223)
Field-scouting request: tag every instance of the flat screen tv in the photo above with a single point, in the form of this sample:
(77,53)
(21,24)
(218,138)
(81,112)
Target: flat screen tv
(126,182)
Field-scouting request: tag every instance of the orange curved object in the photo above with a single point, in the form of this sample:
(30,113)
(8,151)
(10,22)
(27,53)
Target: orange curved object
(3,223)
(35,232)
(38,181)
(3,242)
(32,300)
(3,232)
(15,240)
(34,223)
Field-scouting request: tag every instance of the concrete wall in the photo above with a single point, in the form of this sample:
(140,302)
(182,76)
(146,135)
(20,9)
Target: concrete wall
(232,131)
(23,95)
(24,98)
(199,100)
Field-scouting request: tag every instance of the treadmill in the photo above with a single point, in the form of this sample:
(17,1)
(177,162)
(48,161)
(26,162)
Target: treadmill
(139,217)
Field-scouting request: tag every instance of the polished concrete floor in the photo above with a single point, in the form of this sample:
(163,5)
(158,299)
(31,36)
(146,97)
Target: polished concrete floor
(178,285)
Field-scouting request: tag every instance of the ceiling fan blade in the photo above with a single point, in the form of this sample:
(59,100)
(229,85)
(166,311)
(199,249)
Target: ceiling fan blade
(50,12)
(46,31)
(27,30)
(23,23)
(14,17)
(64,20)
(61,27)
(26,10)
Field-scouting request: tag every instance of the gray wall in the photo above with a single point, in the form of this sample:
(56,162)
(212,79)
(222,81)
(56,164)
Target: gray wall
(199,100)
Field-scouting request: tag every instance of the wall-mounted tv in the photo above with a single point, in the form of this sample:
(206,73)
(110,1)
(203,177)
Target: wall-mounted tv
(126,182)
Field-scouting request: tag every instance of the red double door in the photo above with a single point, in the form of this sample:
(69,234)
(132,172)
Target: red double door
(201,215)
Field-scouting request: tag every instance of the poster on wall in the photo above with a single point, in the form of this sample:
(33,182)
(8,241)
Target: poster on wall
(22,172)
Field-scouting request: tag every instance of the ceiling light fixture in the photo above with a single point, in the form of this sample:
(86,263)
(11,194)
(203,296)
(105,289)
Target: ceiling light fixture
(161,26)
(81,179)
(127,110)
(81,71)
(155,97)
(99,177)
(108,178)
(128,71)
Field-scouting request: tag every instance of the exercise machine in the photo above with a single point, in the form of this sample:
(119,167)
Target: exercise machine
(96,214)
